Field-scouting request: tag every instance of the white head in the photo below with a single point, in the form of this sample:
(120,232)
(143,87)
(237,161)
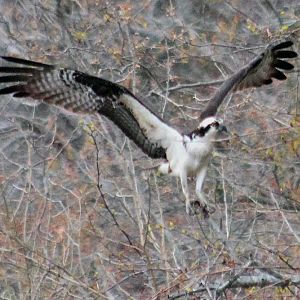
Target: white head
(209,121)
(210,126)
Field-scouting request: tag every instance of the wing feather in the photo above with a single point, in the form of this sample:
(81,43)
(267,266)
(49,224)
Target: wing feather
(152,125)
(258,72)
(79,92)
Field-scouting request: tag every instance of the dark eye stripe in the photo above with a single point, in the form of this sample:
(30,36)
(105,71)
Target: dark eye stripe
(203,130)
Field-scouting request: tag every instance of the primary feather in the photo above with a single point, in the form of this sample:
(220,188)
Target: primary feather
(260,71)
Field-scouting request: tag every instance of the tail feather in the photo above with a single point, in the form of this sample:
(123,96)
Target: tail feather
(164,168)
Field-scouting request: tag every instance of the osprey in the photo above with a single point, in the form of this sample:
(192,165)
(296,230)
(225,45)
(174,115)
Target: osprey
(187,155)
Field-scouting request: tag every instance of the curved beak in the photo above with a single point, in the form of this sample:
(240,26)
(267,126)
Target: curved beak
(222,128)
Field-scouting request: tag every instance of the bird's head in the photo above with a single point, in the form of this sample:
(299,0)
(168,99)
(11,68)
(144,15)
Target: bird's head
(211,126)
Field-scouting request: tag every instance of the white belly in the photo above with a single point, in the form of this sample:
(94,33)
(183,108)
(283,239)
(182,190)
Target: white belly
(190,158)
(194,163)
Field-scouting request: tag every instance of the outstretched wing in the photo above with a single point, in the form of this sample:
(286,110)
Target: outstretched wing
(258,72)
(79,92)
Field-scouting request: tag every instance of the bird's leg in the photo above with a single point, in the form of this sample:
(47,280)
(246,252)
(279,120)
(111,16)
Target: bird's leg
(199,183)
(185,189)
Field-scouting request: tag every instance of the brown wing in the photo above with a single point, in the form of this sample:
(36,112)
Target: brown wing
(80,92)
(258,72)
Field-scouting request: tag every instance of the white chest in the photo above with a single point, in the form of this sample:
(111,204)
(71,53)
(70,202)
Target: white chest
(198,154)
(190,155)
(198,148)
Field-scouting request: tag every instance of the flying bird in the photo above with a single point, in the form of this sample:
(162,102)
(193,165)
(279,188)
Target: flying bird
(187,155)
